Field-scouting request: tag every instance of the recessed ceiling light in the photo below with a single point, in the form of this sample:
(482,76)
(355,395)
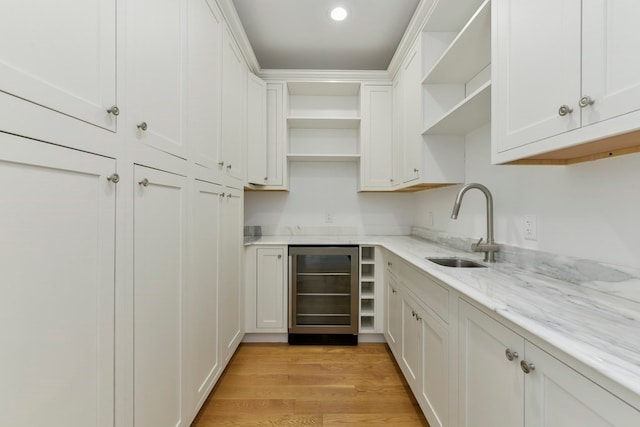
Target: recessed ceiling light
(339,14)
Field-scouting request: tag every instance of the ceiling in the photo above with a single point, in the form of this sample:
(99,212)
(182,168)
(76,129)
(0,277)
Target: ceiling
(298,34)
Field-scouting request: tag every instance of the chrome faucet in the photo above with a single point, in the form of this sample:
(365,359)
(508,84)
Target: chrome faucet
(490,248)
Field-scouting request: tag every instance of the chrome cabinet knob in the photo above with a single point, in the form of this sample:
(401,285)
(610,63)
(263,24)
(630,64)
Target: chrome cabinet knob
(142,126)
(564,110)
(416,170)
(418,318)
(511,355)
(223,194)
(389,263)
(115,178)
(144,182)
(114,110)
(229,166)
(585,101)
(393,291)
(527,367)
(266,178)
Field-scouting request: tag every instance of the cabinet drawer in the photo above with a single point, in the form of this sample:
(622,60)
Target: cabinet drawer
(430,293)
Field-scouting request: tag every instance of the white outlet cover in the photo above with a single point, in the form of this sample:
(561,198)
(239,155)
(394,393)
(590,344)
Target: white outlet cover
(530,227)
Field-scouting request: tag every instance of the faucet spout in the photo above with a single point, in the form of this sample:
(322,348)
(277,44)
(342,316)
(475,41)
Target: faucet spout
(489,248)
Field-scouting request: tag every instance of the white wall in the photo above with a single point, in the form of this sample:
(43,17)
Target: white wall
(317,189)
(588,210)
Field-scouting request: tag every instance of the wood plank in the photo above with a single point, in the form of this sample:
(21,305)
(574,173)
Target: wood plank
(283,385)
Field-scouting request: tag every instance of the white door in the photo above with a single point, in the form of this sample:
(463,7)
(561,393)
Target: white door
(491,385)
(434,394)
(57,222)
(201,299)
(60,55)
(234,77)
(412,153)
(204,70)
(270,288)
(393,314)
(256,130)
(558,396)
(610,66)
(159,268)
(377,136)
(411,345)
(536,70)
(230,302)
(275,134)
(155,77)
(398,130)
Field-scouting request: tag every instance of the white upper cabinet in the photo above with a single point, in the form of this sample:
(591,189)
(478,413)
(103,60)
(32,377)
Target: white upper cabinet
(204,70)
(256,130)
(564,74)
(156,44)
(57,66)
(376,163)
(411,116)
(234,90)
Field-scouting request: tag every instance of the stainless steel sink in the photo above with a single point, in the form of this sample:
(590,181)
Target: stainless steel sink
(455,262)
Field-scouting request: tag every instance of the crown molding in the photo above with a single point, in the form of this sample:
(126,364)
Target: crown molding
(237,30)
(416,24)
(325,75)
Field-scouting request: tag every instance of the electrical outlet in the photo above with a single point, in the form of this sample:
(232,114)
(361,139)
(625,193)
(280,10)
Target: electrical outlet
(328,218)
(530,227)
(430,219)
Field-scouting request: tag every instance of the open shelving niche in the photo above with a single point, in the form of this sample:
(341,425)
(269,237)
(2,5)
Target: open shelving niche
(370,291)
(457,56)
(323,121)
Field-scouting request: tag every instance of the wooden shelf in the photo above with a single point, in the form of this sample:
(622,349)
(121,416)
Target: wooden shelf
(323,157)
(468,54)
(471,113)
(323,122)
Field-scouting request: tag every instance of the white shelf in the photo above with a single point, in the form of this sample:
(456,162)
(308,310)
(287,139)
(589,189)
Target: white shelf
(323,122)
(323,157)
(468,53)
(471,113)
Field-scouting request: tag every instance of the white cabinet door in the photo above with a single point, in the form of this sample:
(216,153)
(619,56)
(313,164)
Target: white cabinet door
(201,300)
(558,396)
(376,137)
(156,40)
(256,130)
(230,302)
(275,135)
(610,67)
(434,392)
(412,115)
(270,289)
(204,70)
(57,222)
(398,130)
(411,344)
(234,80)
(393,315)
(159,267)
(491,386)
(60,56)
(536,70)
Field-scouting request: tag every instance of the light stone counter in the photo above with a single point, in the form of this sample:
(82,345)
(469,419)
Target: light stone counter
(593,314)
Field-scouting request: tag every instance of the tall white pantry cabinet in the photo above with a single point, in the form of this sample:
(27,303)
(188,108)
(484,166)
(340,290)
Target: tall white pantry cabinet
(120,222)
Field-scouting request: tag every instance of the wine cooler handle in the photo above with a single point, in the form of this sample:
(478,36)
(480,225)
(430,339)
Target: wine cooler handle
(290,308)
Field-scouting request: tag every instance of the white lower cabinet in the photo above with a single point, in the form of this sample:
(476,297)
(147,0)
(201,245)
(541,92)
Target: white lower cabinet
(160,202)
(266,288)
(202,361)
(419,340)
(57,222)
(230,295)
(508,381)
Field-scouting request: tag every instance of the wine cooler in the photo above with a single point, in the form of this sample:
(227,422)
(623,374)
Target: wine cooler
(323,290)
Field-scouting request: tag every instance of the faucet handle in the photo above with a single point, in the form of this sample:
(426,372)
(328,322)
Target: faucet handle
(479,241)
(475,246)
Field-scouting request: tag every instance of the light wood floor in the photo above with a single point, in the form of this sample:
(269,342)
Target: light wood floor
(282,385)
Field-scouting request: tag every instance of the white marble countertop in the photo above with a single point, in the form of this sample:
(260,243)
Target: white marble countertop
(597,323)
